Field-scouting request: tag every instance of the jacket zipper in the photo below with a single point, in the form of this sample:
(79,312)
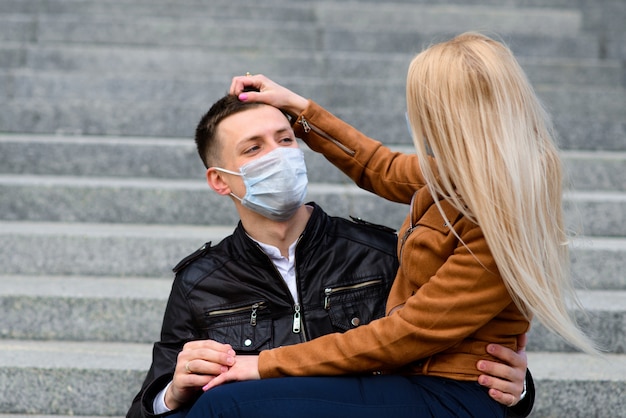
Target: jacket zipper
(297,321)
(329,291)
(308,128)
(409,230)
(252,308)
(297,324)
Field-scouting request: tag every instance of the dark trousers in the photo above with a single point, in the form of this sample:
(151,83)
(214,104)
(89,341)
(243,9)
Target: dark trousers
(363,397)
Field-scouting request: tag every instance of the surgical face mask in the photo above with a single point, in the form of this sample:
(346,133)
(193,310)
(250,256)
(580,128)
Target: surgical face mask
(275,183)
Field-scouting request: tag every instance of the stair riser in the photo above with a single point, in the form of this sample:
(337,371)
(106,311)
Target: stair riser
(170,63)
(604,103)
(84,319)
(81,319)
(195,204)
(84,392)
(607,328)
(578,399)
(151,256)
(178,159)
(68,391)
(39,116)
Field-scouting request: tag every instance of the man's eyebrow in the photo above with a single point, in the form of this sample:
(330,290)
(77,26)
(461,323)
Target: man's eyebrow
(243,142)
(283,130)
(259,137)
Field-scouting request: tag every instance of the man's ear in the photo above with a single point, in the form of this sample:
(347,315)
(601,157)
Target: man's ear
(216,181)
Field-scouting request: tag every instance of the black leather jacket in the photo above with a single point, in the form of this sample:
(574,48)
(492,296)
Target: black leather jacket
(232,293)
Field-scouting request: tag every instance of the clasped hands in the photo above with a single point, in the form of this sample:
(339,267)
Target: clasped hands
(205,364)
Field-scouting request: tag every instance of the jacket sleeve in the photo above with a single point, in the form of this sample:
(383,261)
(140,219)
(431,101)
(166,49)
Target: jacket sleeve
(177,329)
(525,406)
(392,175)
(455,303)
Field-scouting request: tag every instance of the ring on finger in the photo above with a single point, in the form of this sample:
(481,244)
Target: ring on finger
(187,367)
(248,74)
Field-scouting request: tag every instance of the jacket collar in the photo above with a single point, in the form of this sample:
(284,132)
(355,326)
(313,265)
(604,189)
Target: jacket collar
(419,213)
(249,251)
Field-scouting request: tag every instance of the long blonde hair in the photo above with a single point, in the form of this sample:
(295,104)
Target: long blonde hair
(496,162)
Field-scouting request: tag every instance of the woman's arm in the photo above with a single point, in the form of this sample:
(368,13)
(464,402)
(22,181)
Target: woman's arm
(372,166)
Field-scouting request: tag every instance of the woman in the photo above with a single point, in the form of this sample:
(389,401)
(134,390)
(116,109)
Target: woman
(482,251)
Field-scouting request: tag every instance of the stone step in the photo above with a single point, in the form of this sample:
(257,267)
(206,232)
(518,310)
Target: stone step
(164,8)
(604,103)
(578,385)
(428,17)
(598,263)
(192,202)
(120,24)
(264,37)
(130,309)
(98,200)
(108,250)
(176,158)
(79,308)
(604,320)
(152,62)
(596,170)
(577,131)
(117,250)
(158,7)
(47,416)
(93,378)
(70,378)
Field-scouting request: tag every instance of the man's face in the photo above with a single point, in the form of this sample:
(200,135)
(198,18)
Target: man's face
(248,135)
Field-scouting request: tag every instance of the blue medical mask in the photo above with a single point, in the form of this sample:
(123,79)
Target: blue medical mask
(276,183)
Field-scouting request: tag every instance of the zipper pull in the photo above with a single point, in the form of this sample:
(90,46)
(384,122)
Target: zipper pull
(305,125)
(296,319)
(328,291)
(253,314)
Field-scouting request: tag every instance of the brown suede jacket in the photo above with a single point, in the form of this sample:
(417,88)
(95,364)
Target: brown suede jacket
(448,300)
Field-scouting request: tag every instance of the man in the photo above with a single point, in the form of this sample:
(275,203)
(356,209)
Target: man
(287,274)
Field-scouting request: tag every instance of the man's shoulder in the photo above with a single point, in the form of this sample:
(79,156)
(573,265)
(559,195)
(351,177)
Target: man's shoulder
(366,233)
(205,259)
(191,258)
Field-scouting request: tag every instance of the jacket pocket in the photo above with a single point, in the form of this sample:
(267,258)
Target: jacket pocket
(354,304)
(247,327)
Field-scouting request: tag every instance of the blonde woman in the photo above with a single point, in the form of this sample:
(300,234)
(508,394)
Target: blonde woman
(482,251)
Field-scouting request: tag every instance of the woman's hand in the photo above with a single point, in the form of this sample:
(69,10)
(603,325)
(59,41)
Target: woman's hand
(505,380)
(269,93)
(245,368)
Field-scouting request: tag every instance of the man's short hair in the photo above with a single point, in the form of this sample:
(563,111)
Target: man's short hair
(206,131)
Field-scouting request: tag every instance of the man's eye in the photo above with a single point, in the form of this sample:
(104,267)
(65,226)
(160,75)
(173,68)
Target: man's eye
(287,139)
(251,149)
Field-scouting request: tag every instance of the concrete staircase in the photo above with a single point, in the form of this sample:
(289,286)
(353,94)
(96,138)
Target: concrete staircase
(101,191)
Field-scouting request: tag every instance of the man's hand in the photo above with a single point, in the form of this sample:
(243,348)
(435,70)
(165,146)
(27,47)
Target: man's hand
(245,368)
(269,93)
(197,364)
(505,381)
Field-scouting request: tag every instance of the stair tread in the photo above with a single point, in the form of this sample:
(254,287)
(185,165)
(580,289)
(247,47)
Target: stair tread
(132,356)
(74,355)
(130,288)
(114,229)
(558,366)
(156,288)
